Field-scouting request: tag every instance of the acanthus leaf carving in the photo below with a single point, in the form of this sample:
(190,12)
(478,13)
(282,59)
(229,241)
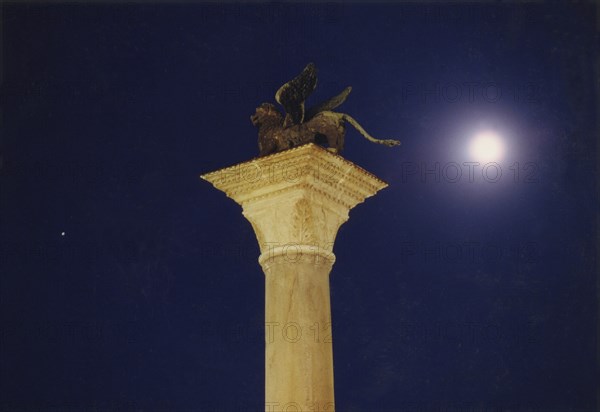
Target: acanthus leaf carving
(302,222)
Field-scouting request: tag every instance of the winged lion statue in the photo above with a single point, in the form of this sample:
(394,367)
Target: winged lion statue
(318,124)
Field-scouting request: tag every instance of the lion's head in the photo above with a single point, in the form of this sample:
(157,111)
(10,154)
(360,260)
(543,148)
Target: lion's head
(266,113)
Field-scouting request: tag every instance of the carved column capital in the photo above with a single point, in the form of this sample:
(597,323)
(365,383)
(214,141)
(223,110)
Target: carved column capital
(296,200)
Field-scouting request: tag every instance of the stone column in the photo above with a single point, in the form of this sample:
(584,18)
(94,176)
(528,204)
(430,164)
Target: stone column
(296,201)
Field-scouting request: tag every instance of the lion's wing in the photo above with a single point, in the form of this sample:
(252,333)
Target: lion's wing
(293,94)
(329,104)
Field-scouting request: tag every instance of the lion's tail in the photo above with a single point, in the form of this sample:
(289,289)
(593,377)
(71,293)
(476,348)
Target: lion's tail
(357,126)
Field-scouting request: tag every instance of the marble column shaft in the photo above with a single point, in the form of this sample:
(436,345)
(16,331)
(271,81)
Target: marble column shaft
(296,201)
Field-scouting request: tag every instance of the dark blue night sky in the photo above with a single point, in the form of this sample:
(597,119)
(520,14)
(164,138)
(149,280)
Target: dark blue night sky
(129,284)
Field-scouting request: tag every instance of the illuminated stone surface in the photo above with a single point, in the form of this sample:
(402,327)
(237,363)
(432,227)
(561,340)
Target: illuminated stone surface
(296,200)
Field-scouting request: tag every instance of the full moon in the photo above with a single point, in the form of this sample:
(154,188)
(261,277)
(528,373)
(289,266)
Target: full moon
(487,147)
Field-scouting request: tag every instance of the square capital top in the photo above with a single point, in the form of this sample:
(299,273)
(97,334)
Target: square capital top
(327,176)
